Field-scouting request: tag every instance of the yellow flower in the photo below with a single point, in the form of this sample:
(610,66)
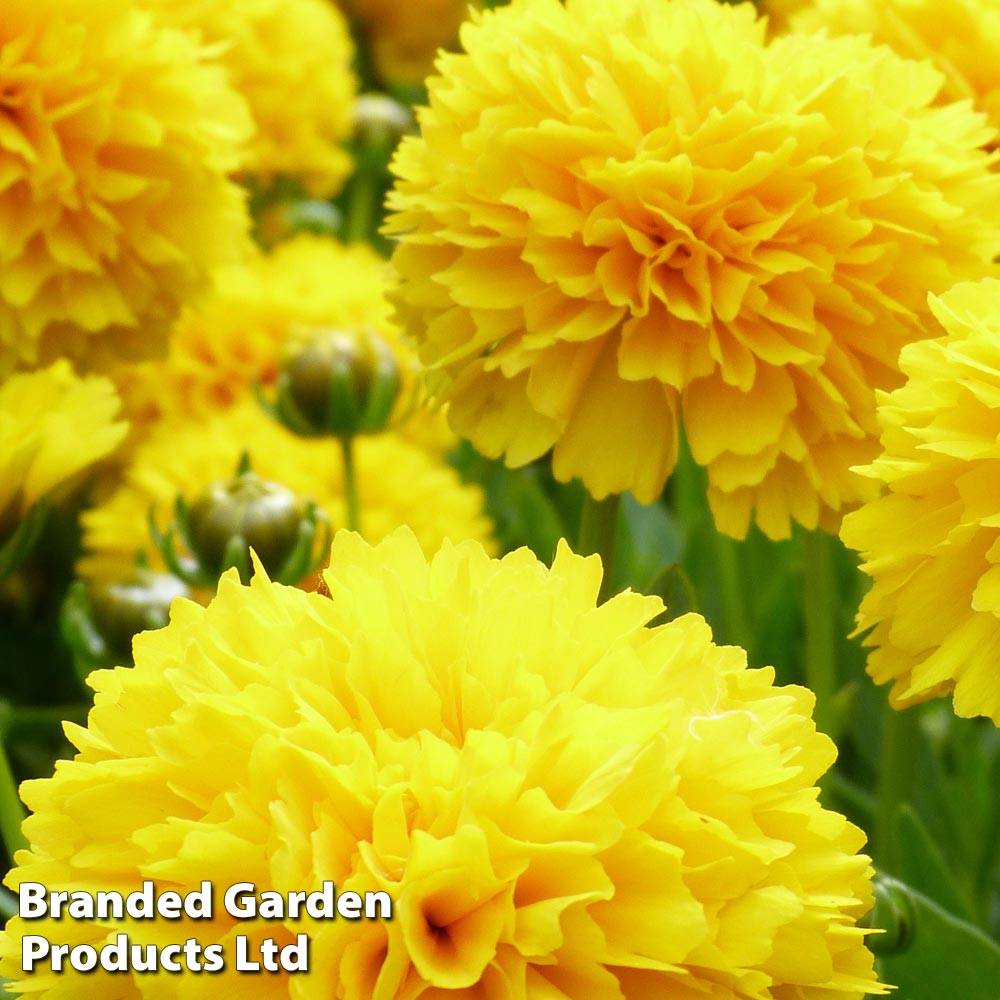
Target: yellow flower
(399,483)
(291,60)
(622,213)
(960,37)
(53,425)
(561,800)
(404,38)
(234,337)
(116,140)
(932,544)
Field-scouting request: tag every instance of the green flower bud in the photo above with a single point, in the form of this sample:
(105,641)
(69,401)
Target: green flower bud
(893,914)
(379,123)
(338,383)
(230,518)
(136,604)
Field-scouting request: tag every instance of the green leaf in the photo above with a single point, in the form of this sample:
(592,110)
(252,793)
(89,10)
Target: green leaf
(18,546)
(673,586)
(938,955)
(923,867)
(647,541)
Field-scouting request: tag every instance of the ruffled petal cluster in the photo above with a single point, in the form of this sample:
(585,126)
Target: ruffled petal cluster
(404,38)
(960,37)
(53,425)
(624,214)
(116,142)
(399,482)
(562,800)
(931,544)
(291,60)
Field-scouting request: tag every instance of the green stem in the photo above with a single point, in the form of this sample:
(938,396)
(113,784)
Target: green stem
(819,603)
(598,524)
(897,779)
(732,590)
(362,207)
(350,484)
(11,811)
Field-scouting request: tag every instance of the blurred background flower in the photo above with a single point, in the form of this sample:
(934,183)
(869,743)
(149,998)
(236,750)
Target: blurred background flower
(960,37)
(581,805)
(403,39)
(931,544)
(116,141)
(291,61)
(620,216)
(54,425)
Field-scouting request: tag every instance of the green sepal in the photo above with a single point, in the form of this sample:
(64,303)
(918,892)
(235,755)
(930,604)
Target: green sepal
(301,561)
(183,567)
(237,554)
(384,390)
(343,415)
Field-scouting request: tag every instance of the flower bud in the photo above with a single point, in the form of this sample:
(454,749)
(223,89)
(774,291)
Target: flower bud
(136,604)
(229,518)
(338,383)
(379,123)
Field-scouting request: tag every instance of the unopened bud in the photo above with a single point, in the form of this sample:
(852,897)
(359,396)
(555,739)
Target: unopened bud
(379,123)
(228,519)
(246,512)
(338,383)
(136,604)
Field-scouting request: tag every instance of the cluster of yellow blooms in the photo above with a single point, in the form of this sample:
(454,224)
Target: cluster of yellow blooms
(669,218)
(591,807)
(622,221)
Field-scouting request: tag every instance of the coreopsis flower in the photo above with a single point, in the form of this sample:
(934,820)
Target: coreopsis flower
(960,37)
(404,38)
(234,338)
(54,424)
(399,482)
(931,544)
(291,60)
(116,141)
(560,799)
(622,214)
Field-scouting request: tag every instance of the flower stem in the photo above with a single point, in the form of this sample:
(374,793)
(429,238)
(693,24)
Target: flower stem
(897,774)
(350,483)
(732,589)
(11,810)
(819,602)
(362,207)
(598,524)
